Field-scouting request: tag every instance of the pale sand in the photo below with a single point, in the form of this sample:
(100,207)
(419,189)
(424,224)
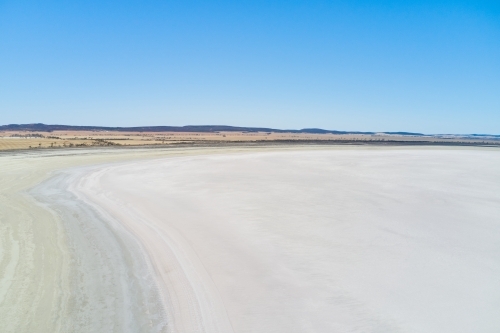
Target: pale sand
(43,283)
(328,240)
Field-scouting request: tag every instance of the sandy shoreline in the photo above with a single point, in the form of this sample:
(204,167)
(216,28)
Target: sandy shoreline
(294,240)
(109,279)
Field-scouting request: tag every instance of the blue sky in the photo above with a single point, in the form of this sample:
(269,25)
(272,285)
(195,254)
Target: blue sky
(424,66)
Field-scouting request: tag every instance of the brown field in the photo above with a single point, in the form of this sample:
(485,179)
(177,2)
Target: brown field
(13,140)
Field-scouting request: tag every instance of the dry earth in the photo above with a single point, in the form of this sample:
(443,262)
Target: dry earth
(11,140)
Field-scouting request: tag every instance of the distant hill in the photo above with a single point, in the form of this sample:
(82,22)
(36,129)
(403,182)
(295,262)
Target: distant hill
(190,128)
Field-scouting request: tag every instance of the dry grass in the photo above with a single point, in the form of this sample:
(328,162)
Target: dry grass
(12,140)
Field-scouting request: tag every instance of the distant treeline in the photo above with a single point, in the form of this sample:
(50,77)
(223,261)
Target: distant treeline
(202,128)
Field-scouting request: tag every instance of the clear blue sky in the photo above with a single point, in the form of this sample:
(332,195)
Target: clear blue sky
(424,66)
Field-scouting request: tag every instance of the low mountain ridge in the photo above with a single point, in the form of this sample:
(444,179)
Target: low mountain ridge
(189,128)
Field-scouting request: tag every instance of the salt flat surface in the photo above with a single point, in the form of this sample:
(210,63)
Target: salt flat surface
(335,240)
(287,239)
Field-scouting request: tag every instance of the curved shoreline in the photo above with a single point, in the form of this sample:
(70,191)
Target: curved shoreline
(35,260)
(110,282)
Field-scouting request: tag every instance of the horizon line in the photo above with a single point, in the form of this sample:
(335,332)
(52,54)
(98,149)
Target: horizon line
(209,128)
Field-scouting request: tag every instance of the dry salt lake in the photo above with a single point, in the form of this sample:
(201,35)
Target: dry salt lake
(267,239)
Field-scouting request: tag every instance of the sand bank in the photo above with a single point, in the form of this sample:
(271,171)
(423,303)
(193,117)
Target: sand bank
(328,240)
